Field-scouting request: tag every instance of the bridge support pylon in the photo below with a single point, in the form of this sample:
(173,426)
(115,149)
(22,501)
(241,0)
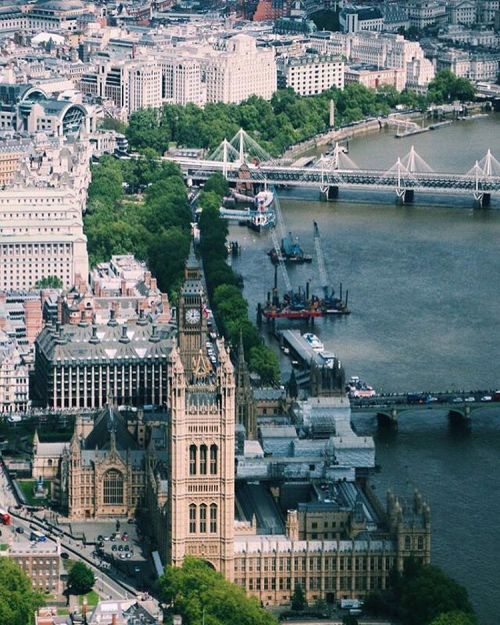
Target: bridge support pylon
(482,200)
(329,193)
(460,416)
(388,419)
(405,196)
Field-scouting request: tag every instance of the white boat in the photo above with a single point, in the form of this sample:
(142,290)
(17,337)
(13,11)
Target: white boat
(314,342)
(261,220)
(264,199)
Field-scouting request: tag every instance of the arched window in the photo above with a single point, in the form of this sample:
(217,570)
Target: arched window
(213,459)
(192,519)
(213,518)
(407,542)
(203,459)
(192,460)
(113,487)
(420,542)
(203,519)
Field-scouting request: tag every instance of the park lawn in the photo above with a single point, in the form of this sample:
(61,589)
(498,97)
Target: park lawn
(27,486)
(4,547)
(92,598)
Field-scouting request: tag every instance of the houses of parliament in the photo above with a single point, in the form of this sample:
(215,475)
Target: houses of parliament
(206,476)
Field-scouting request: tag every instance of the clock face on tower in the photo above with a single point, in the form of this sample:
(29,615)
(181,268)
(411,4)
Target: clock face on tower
(192,316)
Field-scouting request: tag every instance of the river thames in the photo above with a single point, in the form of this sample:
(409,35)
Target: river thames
(424,290)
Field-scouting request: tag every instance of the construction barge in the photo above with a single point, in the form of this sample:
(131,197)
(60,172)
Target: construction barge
(301,304)
(290,251)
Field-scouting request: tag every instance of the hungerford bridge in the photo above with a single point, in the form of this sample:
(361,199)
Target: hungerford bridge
(243,160)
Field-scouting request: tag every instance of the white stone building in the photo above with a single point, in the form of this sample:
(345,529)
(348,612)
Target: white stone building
(240,71)
(462,12)
(373,77)
(382,50)
(14,377)
(311,74)
(423,13)
(41,235)
(130,84)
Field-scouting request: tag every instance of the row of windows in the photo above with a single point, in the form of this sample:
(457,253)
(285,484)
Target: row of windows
(311,583)
(373,563)
(198,459)
(198,518)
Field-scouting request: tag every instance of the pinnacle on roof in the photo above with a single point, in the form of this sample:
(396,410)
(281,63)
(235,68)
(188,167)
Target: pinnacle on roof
(192,261)
(241,349)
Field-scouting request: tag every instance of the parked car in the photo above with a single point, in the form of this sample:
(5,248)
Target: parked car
(486,398)
(64,555)
(114,548)
(20,530)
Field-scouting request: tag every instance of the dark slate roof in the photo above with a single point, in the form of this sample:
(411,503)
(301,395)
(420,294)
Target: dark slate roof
(364,13)
(83,343)
(107,422)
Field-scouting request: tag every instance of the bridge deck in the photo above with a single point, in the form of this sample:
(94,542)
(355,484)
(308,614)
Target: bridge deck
(436,182)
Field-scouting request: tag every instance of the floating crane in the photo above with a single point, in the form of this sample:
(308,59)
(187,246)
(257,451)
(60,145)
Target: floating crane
(334,305)
(289,251)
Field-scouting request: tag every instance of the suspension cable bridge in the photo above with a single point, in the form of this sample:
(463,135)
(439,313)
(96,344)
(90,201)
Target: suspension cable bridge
(242,160)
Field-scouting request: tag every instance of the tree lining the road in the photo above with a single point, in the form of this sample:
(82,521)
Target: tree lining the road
(18,600)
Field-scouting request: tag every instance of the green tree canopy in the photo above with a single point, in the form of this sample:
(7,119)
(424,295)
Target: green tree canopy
(18,601)
(49,282)
(298,598)
(110,123)
(446,87)
(218,184)
(286,119)
(265,362)
(154,226)
(199,593)
(425,592)
(81,579)
(455,618)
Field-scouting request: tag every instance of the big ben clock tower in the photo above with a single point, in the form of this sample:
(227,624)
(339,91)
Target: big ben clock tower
(191,321)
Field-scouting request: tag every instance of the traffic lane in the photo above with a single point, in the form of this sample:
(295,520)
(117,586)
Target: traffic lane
(117,589)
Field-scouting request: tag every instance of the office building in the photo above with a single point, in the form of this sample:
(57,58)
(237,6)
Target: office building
(310,74)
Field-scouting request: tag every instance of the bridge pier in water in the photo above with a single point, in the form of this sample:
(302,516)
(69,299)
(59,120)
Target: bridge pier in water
(388,419)
(329,193)
(482,200)
(460,416)
(405,196)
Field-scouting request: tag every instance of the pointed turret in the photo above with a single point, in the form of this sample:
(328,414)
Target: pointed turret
(192,270)
(245,404)
(36,441)
(293,389)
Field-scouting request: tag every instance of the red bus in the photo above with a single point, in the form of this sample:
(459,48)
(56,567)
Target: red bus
(5,518)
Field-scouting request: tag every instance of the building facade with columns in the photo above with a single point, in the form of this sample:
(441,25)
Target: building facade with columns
(78,366)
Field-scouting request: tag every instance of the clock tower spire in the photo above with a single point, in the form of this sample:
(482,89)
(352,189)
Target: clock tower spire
(191,321)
